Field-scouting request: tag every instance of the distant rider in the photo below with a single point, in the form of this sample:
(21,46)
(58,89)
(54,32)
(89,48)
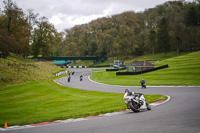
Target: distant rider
(142,81)
(81,77)
(69,78)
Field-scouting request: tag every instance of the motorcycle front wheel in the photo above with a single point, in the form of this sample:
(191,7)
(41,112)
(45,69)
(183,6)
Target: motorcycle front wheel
(134,107)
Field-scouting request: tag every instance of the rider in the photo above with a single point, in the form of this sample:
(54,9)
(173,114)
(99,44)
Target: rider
(140,95)
(69,78)
(142,81)
(81,77)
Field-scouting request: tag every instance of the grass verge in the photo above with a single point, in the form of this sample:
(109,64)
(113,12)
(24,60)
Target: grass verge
(40,101)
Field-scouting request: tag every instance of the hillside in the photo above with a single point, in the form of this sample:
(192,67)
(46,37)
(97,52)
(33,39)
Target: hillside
(25,70)
(183,70)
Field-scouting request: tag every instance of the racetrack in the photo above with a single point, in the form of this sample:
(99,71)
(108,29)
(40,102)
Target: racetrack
(179,115)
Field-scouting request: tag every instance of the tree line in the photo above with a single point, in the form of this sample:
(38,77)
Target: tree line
(172,26)
(25,33)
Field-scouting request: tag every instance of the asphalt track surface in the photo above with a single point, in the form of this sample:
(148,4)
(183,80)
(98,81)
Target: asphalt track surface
(181,114)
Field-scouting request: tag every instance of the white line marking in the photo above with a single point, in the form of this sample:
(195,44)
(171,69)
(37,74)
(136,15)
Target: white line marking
(16,127)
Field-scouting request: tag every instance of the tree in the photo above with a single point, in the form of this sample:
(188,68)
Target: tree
(43,38)
(192,24)
(11,10)
(152,40)
(7,43)
(191,17)
(14,21)
(176,24)
(163,36)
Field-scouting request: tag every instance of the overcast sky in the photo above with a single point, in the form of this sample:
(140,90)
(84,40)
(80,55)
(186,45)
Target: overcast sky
(67,13)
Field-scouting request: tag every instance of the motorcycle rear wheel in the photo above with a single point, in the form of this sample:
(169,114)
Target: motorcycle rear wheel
(148,106)
(134,108)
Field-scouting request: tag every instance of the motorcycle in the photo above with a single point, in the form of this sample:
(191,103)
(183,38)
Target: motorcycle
(68,79)
(136,103)
(143,85)
(73,73)
(81,77)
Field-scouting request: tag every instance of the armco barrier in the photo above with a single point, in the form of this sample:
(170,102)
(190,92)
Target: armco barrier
(141,72)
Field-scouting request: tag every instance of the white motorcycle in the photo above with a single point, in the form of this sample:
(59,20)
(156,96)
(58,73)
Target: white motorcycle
(136,102)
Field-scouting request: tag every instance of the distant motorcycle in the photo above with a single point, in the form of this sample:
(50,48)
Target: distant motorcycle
(69,78)
(136,103)
(143,85)
(81,77)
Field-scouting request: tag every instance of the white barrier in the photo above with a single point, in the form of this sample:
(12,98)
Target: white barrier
(60,73)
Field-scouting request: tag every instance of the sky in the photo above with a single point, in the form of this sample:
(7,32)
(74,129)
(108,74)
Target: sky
(64,14)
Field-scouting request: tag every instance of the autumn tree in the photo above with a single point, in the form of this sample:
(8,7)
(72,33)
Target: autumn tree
(14,22)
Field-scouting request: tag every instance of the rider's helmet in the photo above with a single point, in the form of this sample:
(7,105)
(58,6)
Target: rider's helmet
(127,90)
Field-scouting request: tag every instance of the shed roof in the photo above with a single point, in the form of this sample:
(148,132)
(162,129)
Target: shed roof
(140,63)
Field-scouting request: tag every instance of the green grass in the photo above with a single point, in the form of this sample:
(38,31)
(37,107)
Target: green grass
(183,70)
(156,57)
(40,101)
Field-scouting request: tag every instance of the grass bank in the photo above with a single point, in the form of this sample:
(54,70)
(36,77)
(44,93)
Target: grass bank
(40,101)
(25,70)
(183,70)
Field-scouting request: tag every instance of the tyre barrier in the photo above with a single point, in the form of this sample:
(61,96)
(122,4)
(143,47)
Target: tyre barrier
(76,66)
(141,72)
